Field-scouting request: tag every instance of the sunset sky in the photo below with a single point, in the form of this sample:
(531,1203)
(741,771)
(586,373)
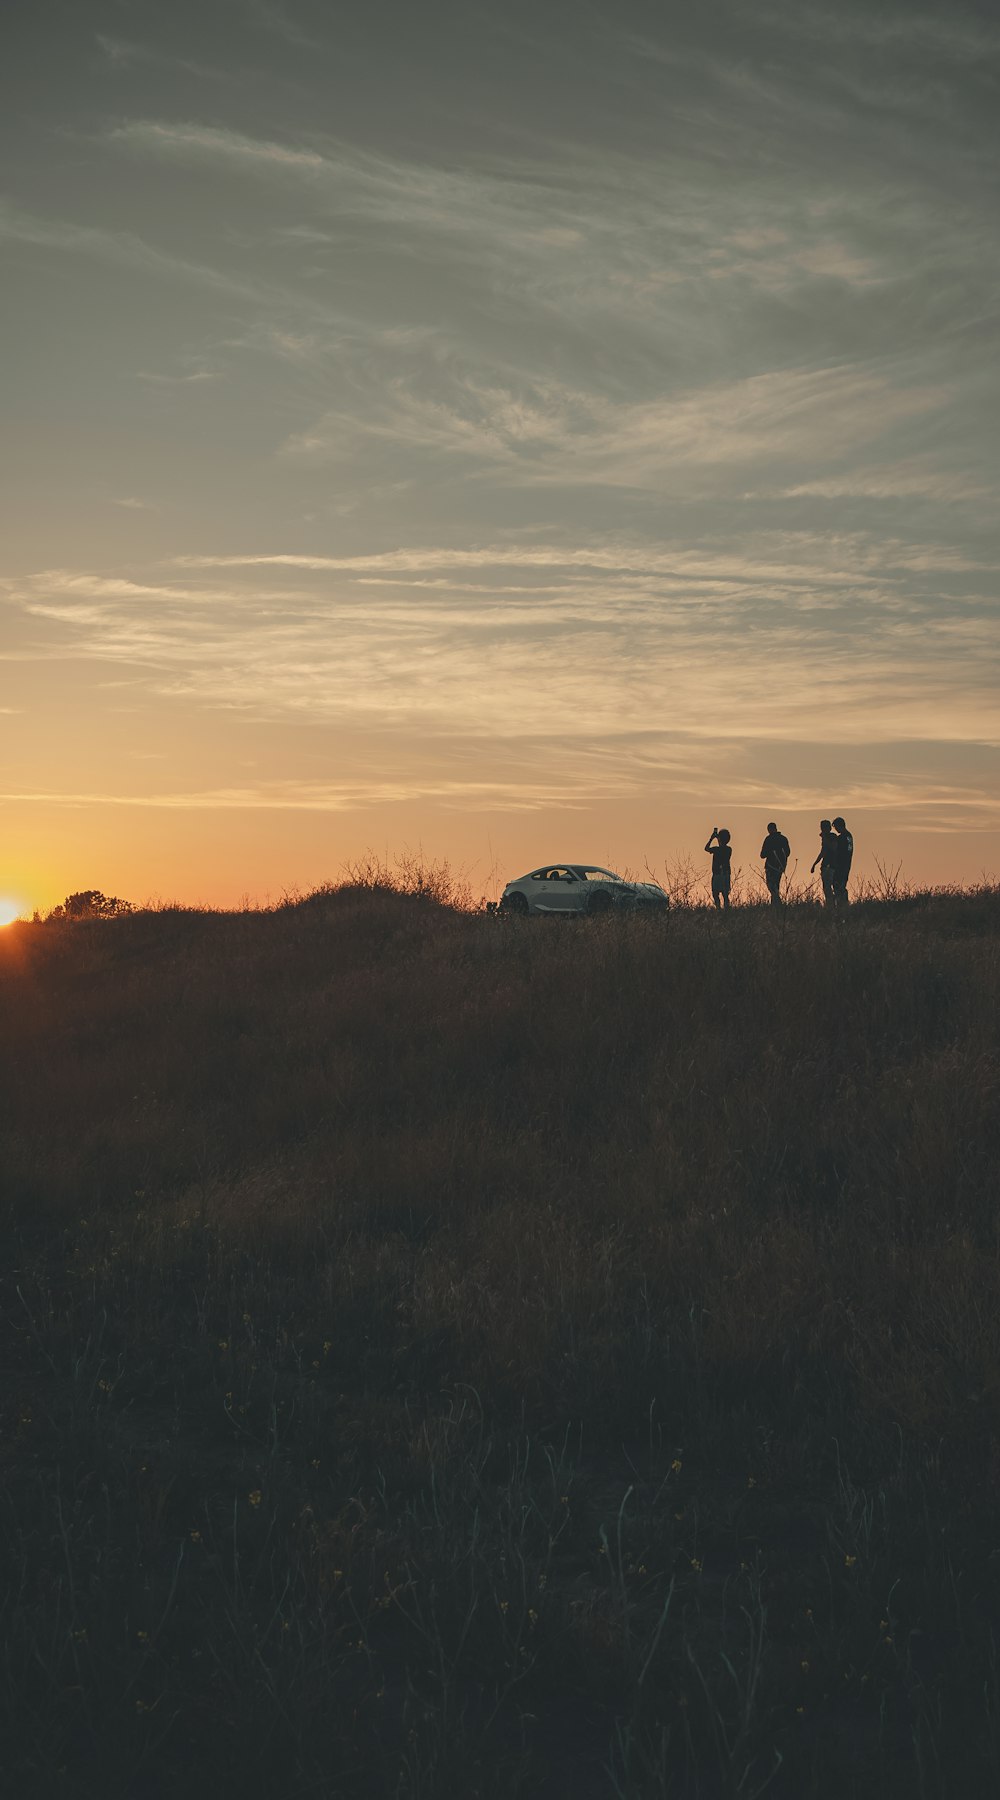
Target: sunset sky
(532,431)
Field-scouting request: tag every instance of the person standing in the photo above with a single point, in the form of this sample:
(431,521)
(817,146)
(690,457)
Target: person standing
(825,860)
(843,856)
(720,850)
(775,851)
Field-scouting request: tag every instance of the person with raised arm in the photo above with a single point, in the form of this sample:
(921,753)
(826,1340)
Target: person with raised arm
(720,850)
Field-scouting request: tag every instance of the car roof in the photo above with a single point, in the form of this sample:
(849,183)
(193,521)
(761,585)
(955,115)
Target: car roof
(566,863)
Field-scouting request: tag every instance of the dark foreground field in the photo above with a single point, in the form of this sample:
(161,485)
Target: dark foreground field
(448,1358)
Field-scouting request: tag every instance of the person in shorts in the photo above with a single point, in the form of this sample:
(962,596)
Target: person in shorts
(720,851)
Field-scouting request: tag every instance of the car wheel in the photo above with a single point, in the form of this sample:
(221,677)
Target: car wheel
(599,903)
(516,904)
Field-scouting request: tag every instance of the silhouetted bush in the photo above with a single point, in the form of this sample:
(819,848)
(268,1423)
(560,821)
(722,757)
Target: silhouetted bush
(91,904)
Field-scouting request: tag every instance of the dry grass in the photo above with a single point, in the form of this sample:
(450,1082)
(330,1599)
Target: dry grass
(448,1357)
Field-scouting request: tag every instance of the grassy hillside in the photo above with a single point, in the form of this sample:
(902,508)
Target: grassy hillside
(449,1357)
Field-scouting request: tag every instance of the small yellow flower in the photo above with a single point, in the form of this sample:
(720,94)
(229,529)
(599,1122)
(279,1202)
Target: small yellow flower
(143,1637)
(315,1462)
(642,1569)
(849,1562)
(696,1564)
(800,1709)
(223,1343)
(564,1499)
(676,1466)
(804,1666)
(254,1497)
(286,1625)
(246,1318)
(195,1537)
(327,1346)
(883,1624)
(504,1605)
(532,1615)
(751,1481)
(809,1613)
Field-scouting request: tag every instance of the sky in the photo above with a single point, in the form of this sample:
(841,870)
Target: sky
(516,432)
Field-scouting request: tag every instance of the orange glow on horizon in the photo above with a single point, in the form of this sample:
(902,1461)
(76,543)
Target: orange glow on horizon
(9,910)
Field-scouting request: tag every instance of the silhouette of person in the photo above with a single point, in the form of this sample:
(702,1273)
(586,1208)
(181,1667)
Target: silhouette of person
(825,860)
(774,852)
(719,850)
(843,856)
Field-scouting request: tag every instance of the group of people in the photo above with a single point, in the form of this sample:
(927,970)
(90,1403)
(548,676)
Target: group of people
(836,853)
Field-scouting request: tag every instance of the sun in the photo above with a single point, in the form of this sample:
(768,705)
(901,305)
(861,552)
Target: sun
(9,910)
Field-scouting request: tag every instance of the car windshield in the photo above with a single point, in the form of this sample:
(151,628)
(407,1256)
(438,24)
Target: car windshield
(586,874)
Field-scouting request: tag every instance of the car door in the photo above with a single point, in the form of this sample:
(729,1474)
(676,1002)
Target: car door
(557,890)
(562,890)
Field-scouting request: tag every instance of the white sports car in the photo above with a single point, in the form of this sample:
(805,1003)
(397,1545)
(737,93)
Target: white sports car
(578,888)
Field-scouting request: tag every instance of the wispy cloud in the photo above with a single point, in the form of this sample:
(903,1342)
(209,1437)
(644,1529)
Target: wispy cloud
(912,478)
(522,796)
(279,21)
(797,557)
(206,142)
(123,54)
(598,230)
(191,379)
(119,247)
(954,35)
(614,638)
(555,434)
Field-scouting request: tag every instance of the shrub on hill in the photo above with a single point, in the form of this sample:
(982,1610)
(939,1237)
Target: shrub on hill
(91,904)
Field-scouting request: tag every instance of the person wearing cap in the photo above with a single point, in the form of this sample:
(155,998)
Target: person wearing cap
(825,859)
(843,856)
(720,850)
(774,852)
